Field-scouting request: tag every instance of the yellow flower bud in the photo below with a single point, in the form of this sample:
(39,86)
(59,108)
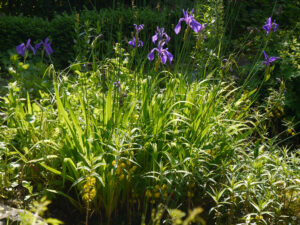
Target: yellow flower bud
(118,171)
(85,197)
(156,195)
(133,169)
(148,194)
(164,186)
(93,193)
(190,194)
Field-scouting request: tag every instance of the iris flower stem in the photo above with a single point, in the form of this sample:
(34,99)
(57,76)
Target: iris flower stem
(268,38)
(252,73)
(25,56)
(185,39)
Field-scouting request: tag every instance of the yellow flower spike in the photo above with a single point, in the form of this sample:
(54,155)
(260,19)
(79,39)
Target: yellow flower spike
(127,177)
(290,130)
(128,163)
(152,201)
(113,163)
(278,114)
(189,194)
(132,153)
(123,165)
(156,195)
(156,187)
(271,114)
(165,194)
(293,133)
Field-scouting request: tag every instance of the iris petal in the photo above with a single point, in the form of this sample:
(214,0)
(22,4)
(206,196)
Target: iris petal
(178,26)
(154,38)
(151,54)
(21,49)
(163,57)
(170,56)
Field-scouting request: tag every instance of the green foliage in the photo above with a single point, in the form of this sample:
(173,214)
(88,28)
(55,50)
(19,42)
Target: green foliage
(289,52)
(38,208)
(165,141)
(115,136)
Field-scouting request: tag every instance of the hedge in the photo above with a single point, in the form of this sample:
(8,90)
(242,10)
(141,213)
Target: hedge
(61,29)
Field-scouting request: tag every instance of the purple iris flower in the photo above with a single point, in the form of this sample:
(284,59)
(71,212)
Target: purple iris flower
(190,21)
(47,46)
(268,26)
(38,45)
(21,49)
(133,42)
(138,28)
(163,53)
(268,60)
(159,34)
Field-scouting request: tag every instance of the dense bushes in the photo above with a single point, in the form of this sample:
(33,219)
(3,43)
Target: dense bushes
(48,9)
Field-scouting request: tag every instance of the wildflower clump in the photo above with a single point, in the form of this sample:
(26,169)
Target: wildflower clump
(124,168)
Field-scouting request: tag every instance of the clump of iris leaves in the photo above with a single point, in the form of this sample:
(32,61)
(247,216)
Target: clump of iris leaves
(130,138)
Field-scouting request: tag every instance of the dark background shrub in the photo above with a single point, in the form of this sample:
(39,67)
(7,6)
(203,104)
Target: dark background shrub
(49,8)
